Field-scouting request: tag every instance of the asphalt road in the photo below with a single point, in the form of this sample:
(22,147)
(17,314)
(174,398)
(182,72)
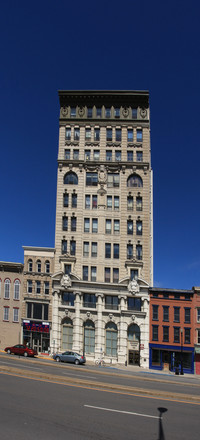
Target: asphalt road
(33,409)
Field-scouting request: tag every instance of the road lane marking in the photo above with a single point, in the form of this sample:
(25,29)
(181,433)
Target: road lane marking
(24,366)
(80,375)
(122,412)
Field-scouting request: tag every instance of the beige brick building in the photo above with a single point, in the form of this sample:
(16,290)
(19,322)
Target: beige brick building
(11,281)
(37,297)
(104,234)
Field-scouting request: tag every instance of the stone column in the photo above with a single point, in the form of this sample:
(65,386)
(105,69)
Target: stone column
(122,348)
(144,335)
(77,324)
(99,330)
(55,334)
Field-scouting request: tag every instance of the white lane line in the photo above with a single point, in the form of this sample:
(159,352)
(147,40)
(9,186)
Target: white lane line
(123,412)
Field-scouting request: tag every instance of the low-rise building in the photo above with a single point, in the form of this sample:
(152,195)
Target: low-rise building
(197,328)
(11,280)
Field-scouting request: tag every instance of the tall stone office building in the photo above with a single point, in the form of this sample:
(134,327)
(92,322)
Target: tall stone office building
(104,233)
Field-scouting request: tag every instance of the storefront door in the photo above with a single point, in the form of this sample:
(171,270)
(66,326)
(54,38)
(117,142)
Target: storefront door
(134,357)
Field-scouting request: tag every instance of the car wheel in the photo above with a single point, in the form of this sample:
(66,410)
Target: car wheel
(25,354)
(76,362)
(57,359)
(8,351)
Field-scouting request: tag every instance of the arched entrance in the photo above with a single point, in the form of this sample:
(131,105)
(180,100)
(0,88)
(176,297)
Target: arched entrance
(133,344)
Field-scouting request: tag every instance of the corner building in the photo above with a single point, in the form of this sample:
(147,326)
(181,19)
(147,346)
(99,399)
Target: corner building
(104,234)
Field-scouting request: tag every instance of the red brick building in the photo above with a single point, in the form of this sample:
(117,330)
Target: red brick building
(171,335)
(197,328)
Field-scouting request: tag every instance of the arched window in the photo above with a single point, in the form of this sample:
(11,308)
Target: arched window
(67,334)
(134,333)
(135,181)
(16,289)
(30,265)
(38,266)
(47,266)
(7,289)
(111,339)
(89,337)
(71,178)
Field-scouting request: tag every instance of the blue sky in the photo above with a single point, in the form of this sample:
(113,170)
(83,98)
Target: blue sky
(51,45)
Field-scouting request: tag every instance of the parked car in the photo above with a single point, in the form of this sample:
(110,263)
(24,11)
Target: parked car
(70,356)
(21,350)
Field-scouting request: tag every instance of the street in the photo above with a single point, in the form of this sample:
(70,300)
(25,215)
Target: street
(37,406)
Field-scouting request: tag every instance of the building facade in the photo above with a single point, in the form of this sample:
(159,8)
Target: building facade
(37,297)
(104,234)
(171,342)
(11,282)
(197,328)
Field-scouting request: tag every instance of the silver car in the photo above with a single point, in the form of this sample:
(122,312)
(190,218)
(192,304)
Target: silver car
(70,356)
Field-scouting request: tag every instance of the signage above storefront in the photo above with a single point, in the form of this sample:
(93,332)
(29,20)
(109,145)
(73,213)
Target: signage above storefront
(32,326)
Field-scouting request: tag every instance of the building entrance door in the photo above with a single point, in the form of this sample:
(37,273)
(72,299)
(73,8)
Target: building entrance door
(134,357)
(36,341)
(166,360)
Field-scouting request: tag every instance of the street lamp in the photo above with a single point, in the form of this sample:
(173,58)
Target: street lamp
(182,351)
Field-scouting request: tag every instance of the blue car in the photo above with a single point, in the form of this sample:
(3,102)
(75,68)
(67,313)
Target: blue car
(70,356)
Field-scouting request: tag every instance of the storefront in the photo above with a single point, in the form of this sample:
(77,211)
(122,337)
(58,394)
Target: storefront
(197,359)
(162,357)
(37,335)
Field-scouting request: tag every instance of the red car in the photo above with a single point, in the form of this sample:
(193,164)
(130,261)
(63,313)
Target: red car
(21,350)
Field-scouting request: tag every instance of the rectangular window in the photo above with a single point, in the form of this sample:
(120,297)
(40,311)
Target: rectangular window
(130,156)
(95,225)
(91,179)
(109,134)
(93,273)
(187,335)
(72,247)
(6,313)
(134,274)
(86,248)
(65,223)
(87,202)
(115,275)
(139,156)
(113,180)
(139,252)
(85,273)
(187,315)
(118,134)
(64,246)
(68,134)
(68,269)
(88,134)
(176,314)
(89,112)
(73,112)
(130,227)
(130,203)
(65,200)
(108,250)
(98,112)
(129,251)
(139,135)
(86,225)
(94,202)
(198,315)
(15,315)
(38,287)
(155,332)
(97,134)
(73,224)
(89,300)
(68,299)
(116,226)
(87,154)
(94,249)
(76,134)
(155,312)
(67,154)
(108,112)
(29,286)
(118,156)
(115,250)
(134,113)
(165,313)
(46,287)
(138,227)
(165,334)
(76,154)
(108,155)
(117,112)
(111,302)
(198,336)
(116,203)
(134,304)
(130,135)
(74,200)
(176,334)
(107,275)
(138,203)
(96,155)
(108,226)
(109,202)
